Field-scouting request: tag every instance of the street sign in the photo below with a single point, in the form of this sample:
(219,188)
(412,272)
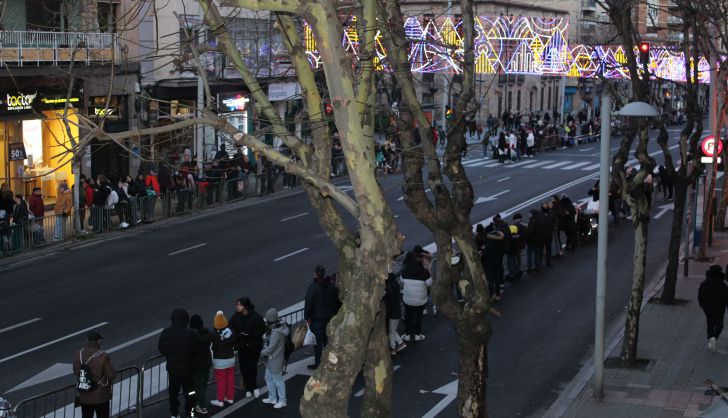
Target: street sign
(708,146)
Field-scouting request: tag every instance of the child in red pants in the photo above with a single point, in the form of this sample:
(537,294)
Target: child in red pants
(223,361)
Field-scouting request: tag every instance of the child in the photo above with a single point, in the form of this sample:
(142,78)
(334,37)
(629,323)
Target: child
(223,361)
(274,352)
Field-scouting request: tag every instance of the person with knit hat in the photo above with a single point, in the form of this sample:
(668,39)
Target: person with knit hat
(223,361)
(201,362)
(275,362)
(713,298)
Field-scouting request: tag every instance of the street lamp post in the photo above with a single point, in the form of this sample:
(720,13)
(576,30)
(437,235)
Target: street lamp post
(639,109)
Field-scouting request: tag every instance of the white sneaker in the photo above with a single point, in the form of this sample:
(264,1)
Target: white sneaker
(269,401)
(280,405)
(424,311)
(124,225)
(419,337)
(256,393)
(217,403)
(229,401)
(434,309)
(712,345)
(248,394)
(406,337)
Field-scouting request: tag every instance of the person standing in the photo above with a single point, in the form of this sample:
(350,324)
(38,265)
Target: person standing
(176,343)
(534,242)
(515,247)
(223,361)
(548,231)
(275,359)
(94,391)
(37,208)
(415,280)
(713,299)
(393,303)
(64,205)
(248,326)
(201,363)
(322,303)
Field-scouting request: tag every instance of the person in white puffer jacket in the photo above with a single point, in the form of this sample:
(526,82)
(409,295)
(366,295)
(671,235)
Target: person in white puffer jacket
(415,281)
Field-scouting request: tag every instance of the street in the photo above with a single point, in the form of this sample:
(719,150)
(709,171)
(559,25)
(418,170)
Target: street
(266,249)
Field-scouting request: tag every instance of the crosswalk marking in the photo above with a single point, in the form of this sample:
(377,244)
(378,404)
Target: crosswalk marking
(476,162)
(538,164)
(519,164)
(573,166)
(559,164)
(591,167)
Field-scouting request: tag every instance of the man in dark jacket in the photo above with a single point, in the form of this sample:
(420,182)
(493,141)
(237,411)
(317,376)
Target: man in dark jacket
(534,241)
(177,343)
(322,303)
(548,219)
(97,400)
(713,298)
(248,327)
(515,247)
(201,363)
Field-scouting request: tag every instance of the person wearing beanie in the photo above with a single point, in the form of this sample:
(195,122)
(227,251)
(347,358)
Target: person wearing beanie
(201,363)
(713,299)
(248,327)
(274,355)
(176,343)
(223,361)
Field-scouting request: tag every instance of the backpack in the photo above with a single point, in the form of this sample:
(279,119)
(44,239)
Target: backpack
(113,199)
(85,381)
(288,347)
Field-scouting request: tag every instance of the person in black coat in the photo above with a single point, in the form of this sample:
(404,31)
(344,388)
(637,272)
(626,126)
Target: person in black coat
(201,363)
(567,223)
(534,241)
(322,303)
(249,328)
(393,304)
(176,343)
(713,299)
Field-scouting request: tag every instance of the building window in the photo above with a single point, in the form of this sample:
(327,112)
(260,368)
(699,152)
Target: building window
(510,101)
(518,101)
(256,42)
(549,102)
(652,17)
(530,100)
(107,16)
(541,107)
(43,15)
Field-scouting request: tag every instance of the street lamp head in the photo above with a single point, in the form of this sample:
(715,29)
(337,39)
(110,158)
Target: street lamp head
(638,109)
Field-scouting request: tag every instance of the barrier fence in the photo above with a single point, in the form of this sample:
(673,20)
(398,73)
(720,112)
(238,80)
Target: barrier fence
(38,232)
(134,388)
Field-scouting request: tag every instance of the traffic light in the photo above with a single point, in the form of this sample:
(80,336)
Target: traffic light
(644,53)
(448,112)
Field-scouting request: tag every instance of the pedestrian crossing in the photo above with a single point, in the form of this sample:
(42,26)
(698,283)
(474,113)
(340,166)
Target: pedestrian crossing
(539,164)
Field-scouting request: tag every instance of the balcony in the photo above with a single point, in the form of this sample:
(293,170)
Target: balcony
(672,5)
(674,21)
(27,48)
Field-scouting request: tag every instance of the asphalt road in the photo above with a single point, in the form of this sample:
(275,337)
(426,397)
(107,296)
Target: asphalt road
(266,249)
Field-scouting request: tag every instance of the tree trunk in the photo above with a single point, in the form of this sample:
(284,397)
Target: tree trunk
(631,328)
(473,335)
(327,392)
(707,214)
(720,217)
(77,188)
(673,249)
(378,371)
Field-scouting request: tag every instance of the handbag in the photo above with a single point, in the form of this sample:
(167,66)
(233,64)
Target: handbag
(298,335)
(309,339)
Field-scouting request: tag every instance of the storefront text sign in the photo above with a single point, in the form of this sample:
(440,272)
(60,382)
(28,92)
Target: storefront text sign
(19,102)
(283,91)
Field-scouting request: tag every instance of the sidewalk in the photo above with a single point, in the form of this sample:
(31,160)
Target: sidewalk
(673,339)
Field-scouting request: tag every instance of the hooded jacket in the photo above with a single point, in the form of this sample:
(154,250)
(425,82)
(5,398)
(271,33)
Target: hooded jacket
(248,330)
(202,358)
(176,343)
(415,281)
(102,373)
(713,295)
(274,349)
(322,299)
(393,297)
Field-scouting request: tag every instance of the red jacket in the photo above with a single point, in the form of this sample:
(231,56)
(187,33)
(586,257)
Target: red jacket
(37,207)
(153,182)
(89,195)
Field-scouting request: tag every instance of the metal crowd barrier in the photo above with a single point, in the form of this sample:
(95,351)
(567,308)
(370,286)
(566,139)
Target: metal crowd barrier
(60,403)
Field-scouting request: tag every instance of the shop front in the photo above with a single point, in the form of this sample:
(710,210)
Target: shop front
(104,155)
(35,142)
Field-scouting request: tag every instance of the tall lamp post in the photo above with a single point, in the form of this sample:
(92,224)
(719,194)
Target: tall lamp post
(638,109)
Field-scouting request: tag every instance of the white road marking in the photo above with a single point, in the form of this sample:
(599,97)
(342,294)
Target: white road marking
(44,345)
(291,254)
(586,149)
(294,216)
(30,321)
(360,393)
(559,164)
(519,164)
(591,167)
(188,249)
(134,341)
(503,179)
(573,166)
(538,164)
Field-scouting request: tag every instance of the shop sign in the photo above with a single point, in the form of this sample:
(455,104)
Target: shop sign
(19,102)
(236,103)
(16,151)
(102,112)
(59,101)
(283,91)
